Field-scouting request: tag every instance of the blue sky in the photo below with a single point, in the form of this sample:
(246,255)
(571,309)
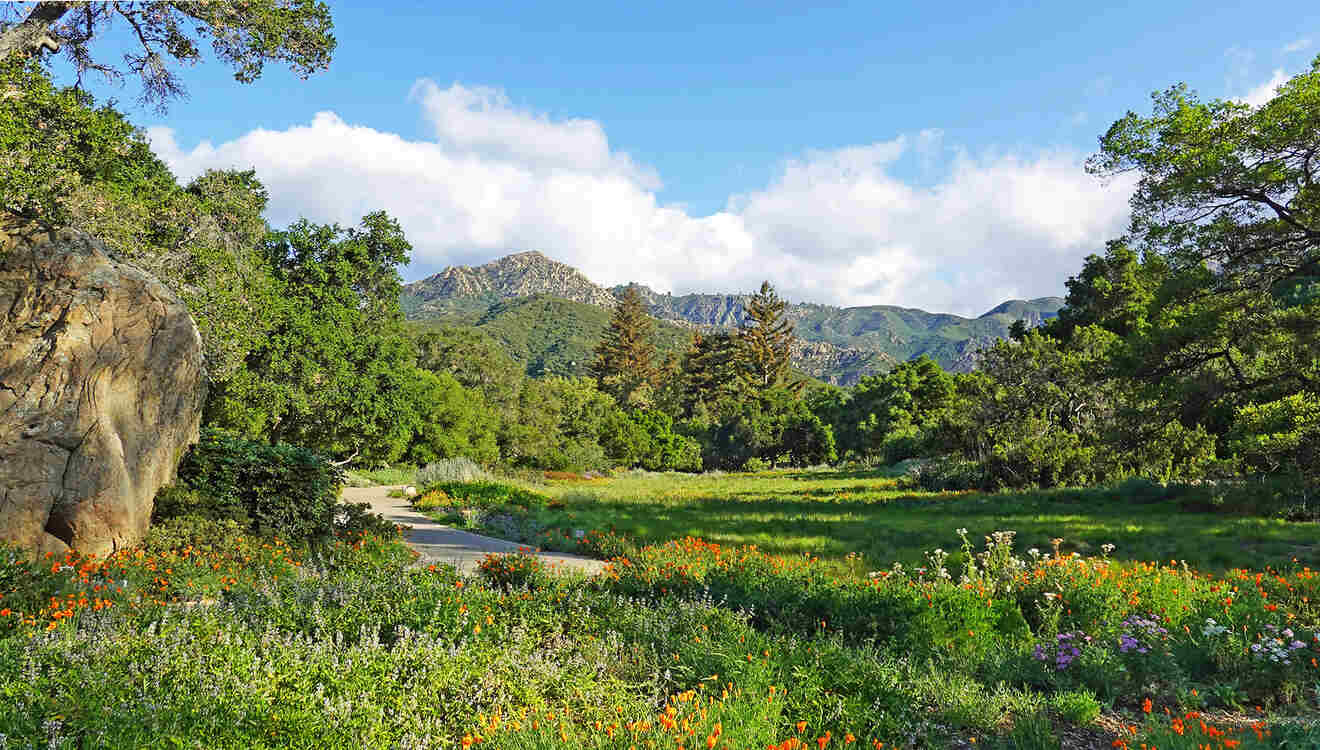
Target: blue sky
(923,154)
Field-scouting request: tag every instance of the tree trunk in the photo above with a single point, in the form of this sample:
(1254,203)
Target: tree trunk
(32,36)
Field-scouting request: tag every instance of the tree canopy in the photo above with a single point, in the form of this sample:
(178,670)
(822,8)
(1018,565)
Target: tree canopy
(764,341)
(244,35)
(624,365)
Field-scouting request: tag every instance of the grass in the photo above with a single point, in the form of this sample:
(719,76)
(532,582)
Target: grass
(839,516)
(390,475)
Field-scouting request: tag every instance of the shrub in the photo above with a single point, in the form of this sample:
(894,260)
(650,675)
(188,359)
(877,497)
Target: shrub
(1076,706)
(1288,496)
(1033,732)
(284,489)
(488,495)
(519,570)
(432,500)
(460,469)
(356,519)
(201,533)
(948,473)
(179,500)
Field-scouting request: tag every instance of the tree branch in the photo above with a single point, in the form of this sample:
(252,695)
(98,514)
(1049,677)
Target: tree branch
(32,36)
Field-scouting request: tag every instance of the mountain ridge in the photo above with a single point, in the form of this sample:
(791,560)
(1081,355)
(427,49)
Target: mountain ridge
(838,344)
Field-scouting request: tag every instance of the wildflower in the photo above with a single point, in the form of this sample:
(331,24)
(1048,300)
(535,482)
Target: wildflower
(1146,705)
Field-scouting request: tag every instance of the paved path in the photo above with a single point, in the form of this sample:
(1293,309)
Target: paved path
(438,543)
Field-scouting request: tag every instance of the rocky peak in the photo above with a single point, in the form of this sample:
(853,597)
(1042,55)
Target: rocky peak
(523,274)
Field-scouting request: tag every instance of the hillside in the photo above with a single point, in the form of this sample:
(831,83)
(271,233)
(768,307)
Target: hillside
(551,335)
(519,275)
(839,345)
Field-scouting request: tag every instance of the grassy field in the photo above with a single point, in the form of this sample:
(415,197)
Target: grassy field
(834,514)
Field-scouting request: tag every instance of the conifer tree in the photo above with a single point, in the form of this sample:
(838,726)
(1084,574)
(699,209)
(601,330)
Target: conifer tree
(764,342)
(710,371)
(625,354)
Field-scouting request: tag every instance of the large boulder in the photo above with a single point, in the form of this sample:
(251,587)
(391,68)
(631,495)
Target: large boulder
(101,390)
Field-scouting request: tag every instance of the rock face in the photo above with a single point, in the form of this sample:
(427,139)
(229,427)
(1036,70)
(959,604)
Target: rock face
(101,391)
(519,275)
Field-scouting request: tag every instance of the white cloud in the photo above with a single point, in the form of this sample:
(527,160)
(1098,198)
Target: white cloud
(1265,91)
(1296,46)
(834,226)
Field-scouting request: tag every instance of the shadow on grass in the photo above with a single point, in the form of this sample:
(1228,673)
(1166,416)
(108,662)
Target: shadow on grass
(904,528)
(883,473)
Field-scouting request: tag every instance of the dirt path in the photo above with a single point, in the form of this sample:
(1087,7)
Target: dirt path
(438,543)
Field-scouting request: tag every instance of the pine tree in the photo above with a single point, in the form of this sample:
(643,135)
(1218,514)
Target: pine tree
(710,371)
(764,342)
(625,354)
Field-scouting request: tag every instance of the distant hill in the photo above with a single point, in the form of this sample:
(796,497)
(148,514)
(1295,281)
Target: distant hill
(552,335)
(524,301)
(519,275)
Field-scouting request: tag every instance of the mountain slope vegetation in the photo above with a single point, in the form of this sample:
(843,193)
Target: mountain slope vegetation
(838,345)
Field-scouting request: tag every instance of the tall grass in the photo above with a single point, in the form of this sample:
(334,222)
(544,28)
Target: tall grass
(460,469)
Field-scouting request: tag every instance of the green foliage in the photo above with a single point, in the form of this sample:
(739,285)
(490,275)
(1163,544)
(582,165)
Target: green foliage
(778,427)
(1278,435)
(550,336)
(624,365)
(896,416)
(459,469)
(64,161)
(487,494)
(764,342)
(1033,732)
(402,474)
(243,36)
(337,346)
(1217,319)
(356,520)
(180,500)
(53,141)
(516,571)
(948,662)
(1077,707)
(447,421)
(646,438)
(710,374)
(284,490)
(200,532)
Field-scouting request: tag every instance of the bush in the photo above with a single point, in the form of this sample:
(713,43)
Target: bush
(356,519)
(1076,706)
(432,500)
(204,534)
(487,495)
(283,489)
(1290,497)
(756,463)
(179,500)
(1032,732)
(460,469)
(521,570)
(948,473)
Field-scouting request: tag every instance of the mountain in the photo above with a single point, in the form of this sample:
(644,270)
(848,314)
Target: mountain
(518,275)
(553,335)
(837,344)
